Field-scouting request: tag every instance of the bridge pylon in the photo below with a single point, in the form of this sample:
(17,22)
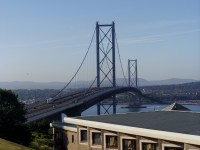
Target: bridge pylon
(133,81)
(132,73)
(105,33)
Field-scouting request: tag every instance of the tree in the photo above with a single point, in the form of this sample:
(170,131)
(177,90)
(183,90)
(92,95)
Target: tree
(42,134)
(12,119)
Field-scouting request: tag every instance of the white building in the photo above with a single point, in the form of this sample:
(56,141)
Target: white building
(159,130)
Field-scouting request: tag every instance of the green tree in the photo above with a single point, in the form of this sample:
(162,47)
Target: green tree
(12,119)
(42,135)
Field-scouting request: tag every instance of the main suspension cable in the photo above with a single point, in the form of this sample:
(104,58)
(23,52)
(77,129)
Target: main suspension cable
(78,67)
(120,60)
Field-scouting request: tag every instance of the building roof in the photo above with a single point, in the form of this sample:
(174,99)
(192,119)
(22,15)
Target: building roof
(64,126)
(170,121)
(175,106)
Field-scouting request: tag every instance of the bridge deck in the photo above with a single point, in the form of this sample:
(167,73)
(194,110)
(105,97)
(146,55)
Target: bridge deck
(79,102)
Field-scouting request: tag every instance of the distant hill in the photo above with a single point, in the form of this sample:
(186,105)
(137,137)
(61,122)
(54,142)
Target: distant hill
(143,82)
(81,84)
(31,85)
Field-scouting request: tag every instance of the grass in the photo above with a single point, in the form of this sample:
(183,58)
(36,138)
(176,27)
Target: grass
(7,145)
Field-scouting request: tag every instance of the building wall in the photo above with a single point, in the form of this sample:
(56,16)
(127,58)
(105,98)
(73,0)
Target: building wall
(191,147)
(93,147)
(82,146)
(72,141)
(63,140)
(69,143)
(87,145)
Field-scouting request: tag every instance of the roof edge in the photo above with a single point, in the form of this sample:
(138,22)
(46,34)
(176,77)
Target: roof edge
(172,136)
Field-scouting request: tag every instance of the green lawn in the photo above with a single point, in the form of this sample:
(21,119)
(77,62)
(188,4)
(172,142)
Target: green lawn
(7,145)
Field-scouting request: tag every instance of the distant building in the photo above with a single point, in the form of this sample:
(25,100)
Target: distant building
(159,130)
(176,106)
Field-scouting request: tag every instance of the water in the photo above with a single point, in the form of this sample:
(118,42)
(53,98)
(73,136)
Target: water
(93,110)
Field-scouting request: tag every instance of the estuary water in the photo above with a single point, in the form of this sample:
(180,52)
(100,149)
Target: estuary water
(120,109)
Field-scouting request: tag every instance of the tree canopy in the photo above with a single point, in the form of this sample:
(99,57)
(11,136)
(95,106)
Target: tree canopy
(12,119)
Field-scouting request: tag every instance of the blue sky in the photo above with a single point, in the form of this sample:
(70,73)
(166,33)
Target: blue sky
(46,40)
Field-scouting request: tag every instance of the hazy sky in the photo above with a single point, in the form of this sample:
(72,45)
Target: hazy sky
(45,40)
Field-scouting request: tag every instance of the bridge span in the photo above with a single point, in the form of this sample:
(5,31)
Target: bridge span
(74,104)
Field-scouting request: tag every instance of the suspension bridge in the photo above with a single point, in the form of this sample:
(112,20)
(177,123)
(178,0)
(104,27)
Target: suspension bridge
(103,86)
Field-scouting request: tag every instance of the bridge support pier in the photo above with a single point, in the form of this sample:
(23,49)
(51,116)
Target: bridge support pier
(107,106)
(114,104)
(98,109)
(134,100)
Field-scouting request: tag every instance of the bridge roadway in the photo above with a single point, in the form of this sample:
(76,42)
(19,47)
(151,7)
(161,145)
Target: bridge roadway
(75,103)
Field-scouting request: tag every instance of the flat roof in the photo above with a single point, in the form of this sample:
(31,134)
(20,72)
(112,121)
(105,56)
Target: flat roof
(170,121)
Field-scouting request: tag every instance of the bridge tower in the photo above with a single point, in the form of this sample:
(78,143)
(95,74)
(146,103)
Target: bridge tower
(133,82)
(105,34)
(132,73)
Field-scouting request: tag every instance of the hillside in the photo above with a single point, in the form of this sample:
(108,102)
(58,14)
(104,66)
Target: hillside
(81,84)
(186,91)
